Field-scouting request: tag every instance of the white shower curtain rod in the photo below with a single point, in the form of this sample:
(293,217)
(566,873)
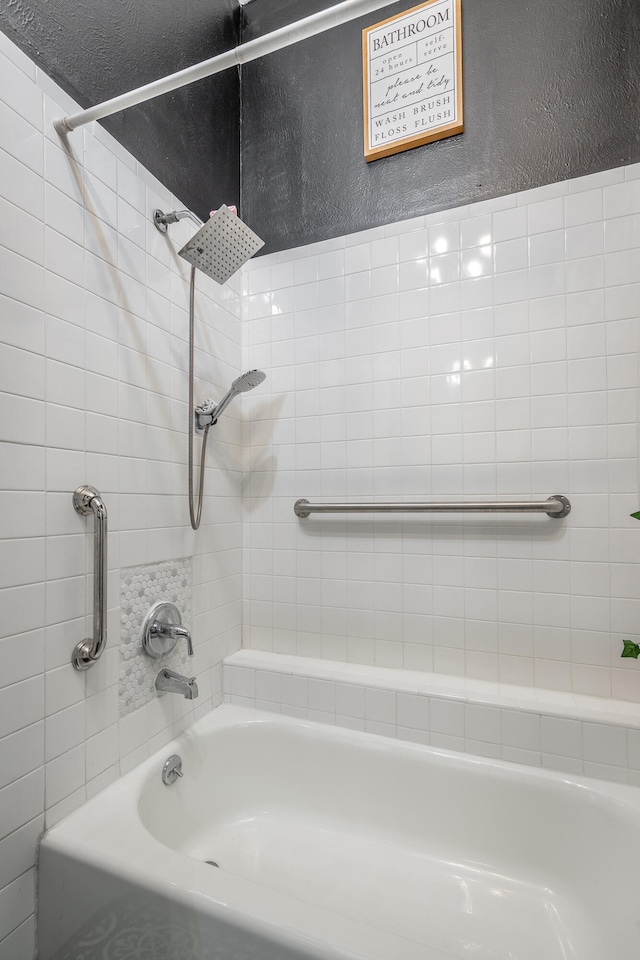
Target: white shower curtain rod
(277,40)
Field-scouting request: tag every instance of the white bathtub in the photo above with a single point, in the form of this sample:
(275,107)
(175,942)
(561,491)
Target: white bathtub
(335,844)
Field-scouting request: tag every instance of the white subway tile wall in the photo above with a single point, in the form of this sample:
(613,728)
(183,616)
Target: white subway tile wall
(489,351)
(93,349)
(578,734)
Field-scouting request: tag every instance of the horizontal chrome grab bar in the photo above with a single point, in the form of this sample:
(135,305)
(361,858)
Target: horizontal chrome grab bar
(88,500)
(556,507)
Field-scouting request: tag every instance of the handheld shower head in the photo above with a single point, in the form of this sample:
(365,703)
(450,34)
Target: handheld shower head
(207,412)
(248,380)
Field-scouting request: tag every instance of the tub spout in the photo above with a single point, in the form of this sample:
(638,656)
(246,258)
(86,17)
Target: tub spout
(169,682)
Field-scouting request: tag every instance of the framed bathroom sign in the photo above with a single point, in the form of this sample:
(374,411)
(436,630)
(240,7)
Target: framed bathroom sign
(412,78)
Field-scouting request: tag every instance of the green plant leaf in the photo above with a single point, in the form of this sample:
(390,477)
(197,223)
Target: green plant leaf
(636,515)
(630,649)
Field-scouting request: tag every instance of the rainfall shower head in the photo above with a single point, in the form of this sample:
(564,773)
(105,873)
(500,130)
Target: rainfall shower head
(208,411)
(221,245)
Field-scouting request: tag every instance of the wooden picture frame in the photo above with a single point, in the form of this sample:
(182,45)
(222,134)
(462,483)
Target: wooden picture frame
(412,78)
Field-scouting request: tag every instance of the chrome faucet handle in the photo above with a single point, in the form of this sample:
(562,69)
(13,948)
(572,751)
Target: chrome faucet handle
(161,630)
(187,635)
(174,633)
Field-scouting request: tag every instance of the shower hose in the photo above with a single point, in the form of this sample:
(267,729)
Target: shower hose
(195,514)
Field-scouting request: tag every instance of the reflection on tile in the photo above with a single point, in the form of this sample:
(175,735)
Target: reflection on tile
(477,262)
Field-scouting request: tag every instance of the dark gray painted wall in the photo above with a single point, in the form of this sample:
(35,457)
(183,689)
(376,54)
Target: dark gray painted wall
(97,49)
(552,90)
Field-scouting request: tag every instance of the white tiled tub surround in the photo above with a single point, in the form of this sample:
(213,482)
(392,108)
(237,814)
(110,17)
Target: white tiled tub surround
(93,349)
(560,731)
(488,351)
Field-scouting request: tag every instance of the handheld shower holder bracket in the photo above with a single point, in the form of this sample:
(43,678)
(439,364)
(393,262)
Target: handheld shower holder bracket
(204,415)
(202,421)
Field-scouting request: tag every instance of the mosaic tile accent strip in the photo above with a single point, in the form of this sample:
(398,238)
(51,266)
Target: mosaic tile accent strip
(140,588)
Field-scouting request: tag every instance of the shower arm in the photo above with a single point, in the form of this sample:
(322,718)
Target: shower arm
(162,220)
(244,53)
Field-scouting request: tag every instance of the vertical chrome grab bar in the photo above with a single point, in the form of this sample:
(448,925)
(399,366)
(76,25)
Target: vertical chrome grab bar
(88,500)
